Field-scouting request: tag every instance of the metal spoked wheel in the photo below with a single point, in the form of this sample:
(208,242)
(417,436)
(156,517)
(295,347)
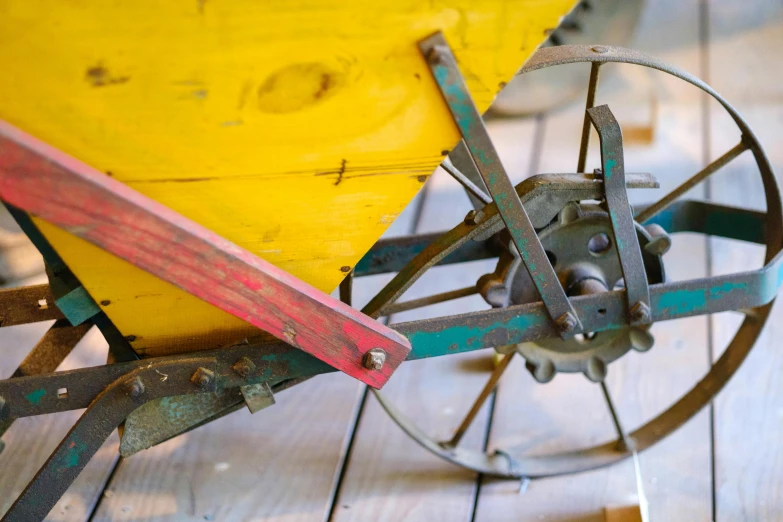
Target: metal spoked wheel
(593,269)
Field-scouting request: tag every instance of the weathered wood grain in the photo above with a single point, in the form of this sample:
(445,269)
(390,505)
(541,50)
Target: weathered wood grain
(43,181)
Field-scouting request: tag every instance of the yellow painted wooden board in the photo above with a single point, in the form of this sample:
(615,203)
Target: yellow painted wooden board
(298,130)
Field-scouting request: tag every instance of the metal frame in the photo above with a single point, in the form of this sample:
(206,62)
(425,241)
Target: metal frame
(751,292)
(114,391)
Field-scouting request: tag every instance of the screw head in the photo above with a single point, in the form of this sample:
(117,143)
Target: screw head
(374,359)
(244,367)
(135,388)
(600,49)
(202,377)
(640,313)
(566,322)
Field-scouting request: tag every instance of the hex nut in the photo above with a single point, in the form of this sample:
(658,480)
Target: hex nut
(202,377)
(566,322)
(374,359)
(640,313)
(244,367)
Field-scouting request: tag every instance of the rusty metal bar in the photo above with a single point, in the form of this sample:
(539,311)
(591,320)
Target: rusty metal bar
(27,304)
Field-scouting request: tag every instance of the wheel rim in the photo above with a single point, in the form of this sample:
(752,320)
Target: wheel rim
(510,465)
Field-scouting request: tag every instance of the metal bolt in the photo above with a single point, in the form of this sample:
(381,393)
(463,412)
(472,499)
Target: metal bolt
(135,387)
(374,359)
(660,242)
(600,49)
(640,313)
(202,377)
(435,56)
(566,322)
(244,367)
(345,269)
(474,217)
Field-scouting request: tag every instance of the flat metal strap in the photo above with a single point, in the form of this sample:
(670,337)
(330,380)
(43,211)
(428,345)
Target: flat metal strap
(452,86)
(626,241)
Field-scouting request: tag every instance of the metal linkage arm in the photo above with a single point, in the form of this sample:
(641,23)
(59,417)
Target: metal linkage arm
(65,192)
(620,215)
(452,86)
(103,415)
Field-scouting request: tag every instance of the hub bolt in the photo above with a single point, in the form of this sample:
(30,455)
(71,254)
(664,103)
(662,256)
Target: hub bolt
(566,322)
(640,313)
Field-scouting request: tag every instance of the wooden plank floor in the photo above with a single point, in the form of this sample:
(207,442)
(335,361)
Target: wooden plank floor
(327,451)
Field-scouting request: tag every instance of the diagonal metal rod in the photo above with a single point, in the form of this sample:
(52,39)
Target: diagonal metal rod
(654,209)
(462,160)
(396,308)
(471,187)
(585,143)
(485,392)
(625,442)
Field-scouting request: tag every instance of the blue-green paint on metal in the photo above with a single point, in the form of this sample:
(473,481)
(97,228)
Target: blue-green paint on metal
(610,164)
(682,302)
(70,459)
(686,302)
(717,292)
(35,397)
(77,306)
(464,338)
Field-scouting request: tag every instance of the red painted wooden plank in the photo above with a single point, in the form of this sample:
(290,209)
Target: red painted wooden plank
(65,192)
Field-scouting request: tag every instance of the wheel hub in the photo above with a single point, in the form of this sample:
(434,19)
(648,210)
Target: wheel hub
(579,245)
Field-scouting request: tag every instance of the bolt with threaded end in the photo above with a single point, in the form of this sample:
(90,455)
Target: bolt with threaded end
(640,313)
(244,367)
(202,377)
(566,322)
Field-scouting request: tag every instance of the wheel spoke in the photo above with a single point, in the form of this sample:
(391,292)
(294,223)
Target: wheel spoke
(654,209)
(481,399)
(585,143)
(396,308)
(471,187)
(621,435)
